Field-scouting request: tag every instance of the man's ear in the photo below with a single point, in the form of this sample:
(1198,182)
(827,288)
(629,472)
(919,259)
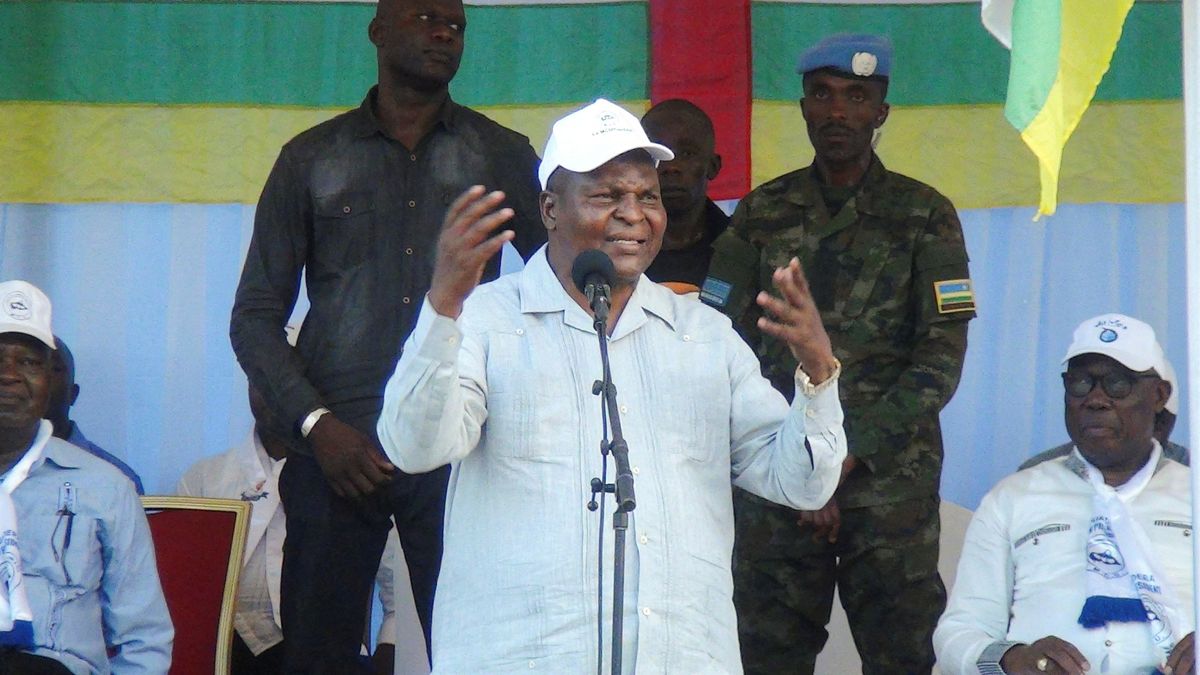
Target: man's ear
(73,395)
(548,205)
(714,167)
(1162,392)
(884,109)
(375,32)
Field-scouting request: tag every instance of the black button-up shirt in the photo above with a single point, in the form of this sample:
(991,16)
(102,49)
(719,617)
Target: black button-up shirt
(359,214)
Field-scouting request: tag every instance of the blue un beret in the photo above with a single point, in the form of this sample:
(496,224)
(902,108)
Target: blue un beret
(853,55)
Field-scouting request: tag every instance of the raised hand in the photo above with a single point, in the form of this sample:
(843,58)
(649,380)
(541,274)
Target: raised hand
(468,240)
(794,318)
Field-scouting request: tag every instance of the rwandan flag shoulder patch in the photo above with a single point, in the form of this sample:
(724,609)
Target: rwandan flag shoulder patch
(954,295)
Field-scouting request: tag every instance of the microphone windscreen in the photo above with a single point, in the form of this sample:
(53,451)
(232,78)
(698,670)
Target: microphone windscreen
(592,262)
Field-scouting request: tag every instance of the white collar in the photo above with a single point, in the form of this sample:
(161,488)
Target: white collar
(30,460)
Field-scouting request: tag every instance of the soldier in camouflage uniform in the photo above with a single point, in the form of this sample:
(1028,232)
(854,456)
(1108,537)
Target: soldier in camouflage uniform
(886,263)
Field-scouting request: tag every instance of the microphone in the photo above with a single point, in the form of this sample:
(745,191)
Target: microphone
(593,274)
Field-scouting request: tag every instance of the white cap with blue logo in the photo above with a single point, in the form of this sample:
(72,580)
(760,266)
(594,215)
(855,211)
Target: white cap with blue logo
(24,308)
(1130,342)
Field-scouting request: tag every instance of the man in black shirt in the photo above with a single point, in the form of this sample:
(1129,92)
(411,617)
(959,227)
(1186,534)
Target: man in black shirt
(693,220)
(355,205)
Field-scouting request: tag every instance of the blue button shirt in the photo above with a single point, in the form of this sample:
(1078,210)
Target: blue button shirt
(90,577)
(77,439)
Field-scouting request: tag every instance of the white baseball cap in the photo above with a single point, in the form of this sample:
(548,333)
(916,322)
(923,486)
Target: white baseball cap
(24,308)
(592,135)
(1130,342)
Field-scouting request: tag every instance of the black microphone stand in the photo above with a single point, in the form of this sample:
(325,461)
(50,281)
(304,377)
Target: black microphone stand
(623,484)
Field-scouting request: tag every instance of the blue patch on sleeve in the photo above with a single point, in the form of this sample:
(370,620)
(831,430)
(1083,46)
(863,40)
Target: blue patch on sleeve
(715,292)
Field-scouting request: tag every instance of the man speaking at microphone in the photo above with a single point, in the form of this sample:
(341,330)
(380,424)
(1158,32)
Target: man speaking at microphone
(498,381)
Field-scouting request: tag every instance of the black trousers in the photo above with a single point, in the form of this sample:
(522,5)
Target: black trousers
(331,554)
(13,662)
(244,662)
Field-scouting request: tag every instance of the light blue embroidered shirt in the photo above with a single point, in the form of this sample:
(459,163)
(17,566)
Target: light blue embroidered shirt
(505,394)
(103,588)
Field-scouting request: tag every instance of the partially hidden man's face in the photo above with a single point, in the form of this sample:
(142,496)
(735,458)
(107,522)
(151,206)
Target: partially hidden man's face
(842,115)
(1112,432)
(63,390)
(420,41)
(683,180)
(615,208)
(24,381)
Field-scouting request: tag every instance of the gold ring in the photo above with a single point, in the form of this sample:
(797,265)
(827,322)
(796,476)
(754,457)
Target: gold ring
(1042,664)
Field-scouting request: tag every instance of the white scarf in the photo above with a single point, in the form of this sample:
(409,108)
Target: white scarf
(16,616)
(1123,579)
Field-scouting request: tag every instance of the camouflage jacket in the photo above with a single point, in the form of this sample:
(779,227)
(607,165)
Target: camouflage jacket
(889,275)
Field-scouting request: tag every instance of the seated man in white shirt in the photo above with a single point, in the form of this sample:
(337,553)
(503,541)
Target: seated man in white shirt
(500,384)
(250,472)
(1084,563)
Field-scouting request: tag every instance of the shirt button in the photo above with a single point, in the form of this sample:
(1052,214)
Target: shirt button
(1108,643)
(810,413)
(452,339)
(411,203)
(624,408)
(408,250)
(532,665)
(687,338)
(645,611)
(414,158)
(405,300)
(520,331)
(644,539)
(346,209)
(636,470)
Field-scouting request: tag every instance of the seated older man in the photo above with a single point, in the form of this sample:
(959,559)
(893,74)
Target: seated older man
(1164,424)
(1084,563)
(85,559)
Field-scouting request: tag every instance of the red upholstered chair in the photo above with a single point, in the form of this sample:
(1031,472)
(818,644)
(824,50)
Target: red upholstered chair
(199,543)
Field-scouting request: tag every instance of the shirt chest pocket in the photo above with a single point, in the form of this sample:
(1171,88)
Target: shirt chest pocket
(343,232)
(1040,553)
(64,551)
(693,390)
(533,408)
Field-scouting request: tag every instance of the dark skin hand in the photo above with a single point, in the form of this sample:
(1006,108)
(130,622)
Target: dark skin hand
(795,320)
(349,459)
(468,240)
(827,521)
(1182,660)
(1061,657)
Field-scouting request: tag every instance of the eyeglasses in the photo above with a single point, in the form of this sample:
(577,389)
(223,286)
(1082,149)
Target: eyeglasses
(1115,385)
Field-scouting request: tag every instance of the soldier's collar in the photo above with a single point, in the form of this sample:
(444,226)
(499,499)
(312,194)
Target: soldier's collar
(809,189)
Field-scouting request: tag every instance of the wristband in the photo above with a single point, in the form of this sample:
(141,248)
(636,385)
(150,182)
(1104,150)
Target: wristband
(306,427)
(804,383)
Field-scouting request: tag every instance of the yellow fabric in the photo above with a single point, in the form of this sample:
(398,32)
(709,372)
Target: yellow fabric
(1129,152)
(73,153)
(1090,31)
